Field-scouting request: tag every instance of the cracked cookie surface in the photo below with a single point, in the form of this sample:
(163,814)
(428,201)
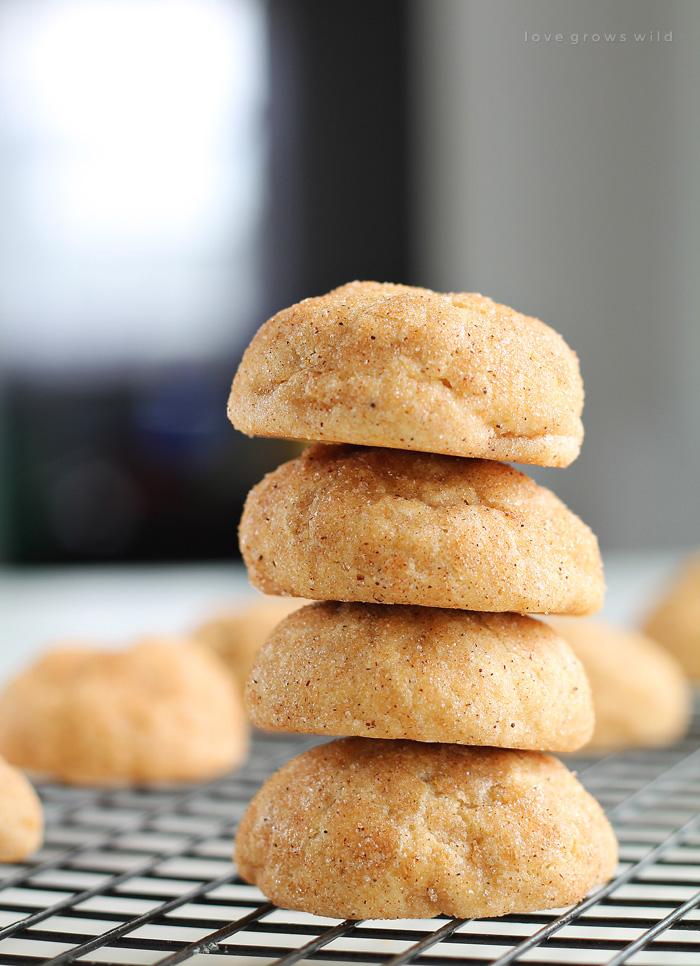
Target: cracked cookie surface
(364,828)
(395,527)
(408,368)
(421,673)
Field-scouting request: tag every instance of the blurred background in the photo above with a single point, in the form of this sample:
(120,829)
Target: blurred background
(172,172)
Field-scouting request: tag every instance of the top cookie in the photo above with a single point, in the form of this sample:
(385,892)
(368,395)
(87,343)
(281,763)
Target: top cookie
(407,368)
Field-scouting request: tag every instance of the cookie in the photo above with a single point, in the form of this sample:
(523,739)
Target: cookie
(421,673)
(407,368)
(370,829)
(393,527)
(641,697)
(162,711)
(236,637)
(21,817)
(675,621)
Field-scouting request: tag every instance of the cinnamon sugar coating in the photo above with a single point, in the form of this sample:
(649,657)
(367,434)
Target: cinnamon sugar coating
(407,368)
(363,828)
(393,527)
(421,673)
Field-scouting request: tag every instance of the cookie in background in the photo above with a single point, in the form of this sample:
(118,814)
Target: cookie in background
(641,697)
(21,816)
(161,711)
(675,621)
(236,635)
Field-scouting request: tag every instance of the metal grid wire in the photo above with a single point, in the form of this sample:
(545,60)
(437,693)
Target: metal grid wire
(144,877)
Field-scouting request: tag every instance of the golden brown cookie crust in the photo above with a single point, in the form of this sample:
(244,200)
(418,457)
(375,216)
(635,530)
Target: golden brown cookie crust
(237,636)
(21,817)
(641,697)
(392,527)
(675,621)
(362,828)
(407,368)
(163,710)
(421,673)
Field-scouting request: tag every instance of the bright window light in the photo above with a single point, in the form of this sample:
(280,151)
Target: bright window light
(133,153)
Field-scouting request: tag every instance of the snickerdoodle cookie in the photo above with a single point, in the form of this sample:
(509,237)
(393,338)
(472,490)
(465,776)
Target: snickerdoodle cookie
(408,368)
(393,527)
(237,635)
(675,621)
(362,829)
(21,818)
(164,710)
(421,673)
(641,697)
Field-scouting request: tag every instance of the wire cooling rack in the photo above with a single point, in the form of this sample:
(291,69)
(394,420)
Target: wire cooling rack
(144,877)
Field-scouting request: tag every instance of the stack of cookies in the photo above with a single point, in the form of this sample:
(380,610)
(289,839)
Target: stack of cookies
(425,553)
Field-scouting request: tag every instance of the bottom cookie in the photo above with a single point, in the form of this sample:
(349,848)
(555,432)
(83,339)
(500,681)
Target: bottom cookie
(363,828)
